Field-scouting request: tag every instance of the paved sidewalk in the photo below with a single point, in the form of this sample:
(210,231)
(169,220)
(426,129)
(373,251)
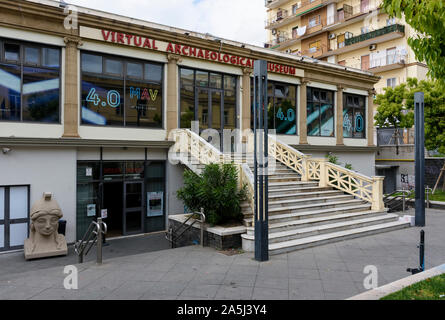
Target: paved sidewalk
(333,271)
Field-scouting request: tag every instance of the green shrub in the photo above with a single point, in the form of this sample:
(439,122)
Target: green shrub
(216,190)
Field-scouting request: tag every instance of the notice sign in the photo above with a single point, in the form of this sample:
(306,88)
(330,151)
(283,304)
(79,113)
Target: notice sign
(91,210)
(155,204)
(104,213)
(89,172)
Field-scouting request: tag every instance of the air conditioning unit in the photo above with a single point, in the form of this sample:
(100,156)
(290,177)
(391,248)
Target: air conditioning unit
(332,36)
(288,51)
(372,47)
(274,31)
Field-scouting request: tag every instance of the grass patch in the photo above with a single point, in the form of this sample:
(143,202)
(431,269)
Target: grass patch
(439,195)
(429,289)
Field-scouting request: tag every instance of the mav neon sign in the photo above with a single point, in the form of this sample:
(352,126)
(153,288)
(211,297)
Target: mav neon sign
(147,94)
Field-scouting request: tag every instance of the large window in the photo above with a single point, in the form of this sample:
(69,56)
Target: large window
(204,94)
(29,82)
(121,92)
(282,110)
(320,112)
(354,119)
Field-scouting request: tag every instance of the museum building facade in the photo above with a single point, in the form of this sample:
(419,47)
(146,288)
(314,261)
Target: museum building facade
(86,108)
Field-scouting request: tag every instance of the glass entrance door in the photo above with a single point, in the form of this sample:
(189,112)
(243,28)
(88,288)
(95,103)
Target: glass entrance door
(133,207)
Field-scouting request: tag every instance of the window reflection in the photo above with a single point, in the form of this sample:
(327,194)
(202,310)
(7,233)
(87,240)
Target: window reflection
(320,112)
(354,116)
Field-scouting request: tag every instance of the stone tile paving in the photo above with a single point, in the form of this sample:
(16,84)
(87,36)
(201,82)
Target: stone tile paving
(333,271)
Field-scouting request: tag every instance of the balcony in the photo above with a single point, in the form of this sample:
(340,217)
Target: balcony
(374,37)
(283,37)
(376,33)
(272,4)
(277,20)
(386,63)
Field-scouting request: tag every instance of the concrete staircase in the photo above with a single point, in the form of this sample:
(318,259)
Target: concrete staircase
(303,215)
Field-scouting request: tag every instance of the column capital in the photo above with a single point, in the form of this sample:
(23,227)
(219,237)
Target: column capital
(340,87)
(304,81)
(73,41)
(173,58)
(247,71)
(371,92)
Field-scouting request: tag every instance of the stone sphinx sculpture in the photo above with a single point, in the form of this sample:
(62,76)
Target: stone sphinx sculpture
(44,240)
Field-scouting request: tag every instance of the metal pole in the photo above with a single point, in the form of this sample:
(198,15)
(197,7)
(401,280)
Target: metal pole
(422,250)
(202,227)
(261,181)
(403,200)
(420,158)
(99,240)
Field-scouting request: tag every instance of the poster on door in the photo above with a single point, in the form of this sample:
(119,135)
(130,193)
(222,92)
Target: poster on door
(155,204)
(408,181)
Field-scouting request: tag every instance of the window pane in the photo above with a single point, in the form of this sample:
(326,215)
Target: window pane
(313,121)
(32,55)
(327,120)
(202,78)
(153,72)
(113,170)
(102,100)
(18,232)
(113,66)
(215,80)
(134,170)
(2,204)
(285,116)
(88,171)
(270,113)
(51,57)
(186,77)
(187,105)
(2,236)
(12,52)
(229,82)
(91,63)
(18,203)
(134,70)
(40,95)
(229,109)
(10,92)
(347,122)
(143,104)
(359,123)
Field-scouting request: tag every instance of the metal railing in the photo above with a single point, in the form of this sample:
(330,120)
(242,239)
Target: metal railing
(397,198)
(93,236)
(376,33)
(172,234)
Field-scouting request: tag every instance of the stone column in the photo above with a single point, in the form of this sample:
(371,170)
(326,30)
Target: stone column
(339,104)
(71,103)
(370,116)
(303,112)
(247,104)
(172,92)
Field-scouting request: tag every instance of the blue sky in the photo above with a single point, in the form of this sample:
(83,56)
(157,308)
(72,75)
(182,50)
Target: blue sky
(240,20)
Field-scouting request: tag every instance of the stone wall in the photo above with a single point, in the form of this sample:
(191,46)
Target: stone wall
(432,172)
(193,236)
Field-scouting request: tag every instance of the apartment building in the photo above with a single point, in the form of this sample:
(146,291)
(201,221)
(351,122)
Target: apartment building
(353,33)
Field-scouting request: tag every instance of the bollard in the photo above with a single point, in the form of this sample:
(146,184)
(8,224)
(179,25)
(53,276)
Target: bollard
(421,247)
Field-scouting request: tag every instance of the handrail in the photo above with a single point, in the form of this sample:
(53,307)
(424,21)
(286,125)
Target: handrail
(172,238)
(369,189)
(92,236)
(395,196)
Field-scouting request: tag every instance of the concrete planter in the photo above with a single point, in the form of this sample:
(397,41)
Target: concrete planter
(216,237)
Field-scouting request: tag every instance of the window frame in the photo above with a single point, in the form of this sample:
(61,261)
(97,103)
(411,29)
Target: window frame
(124,78)
(21,63)
(222,90)
(354,108)
(319,113)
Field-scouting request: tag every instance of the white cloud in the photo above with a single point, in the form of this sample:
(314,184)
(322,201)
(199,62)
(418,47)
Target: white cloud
(240,20)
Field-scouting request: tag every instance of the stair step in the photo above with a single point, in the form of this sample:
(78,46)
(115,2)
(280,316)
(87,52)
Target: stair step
(278,185)
(291,245)
(287,235)
(275,204)
(298,208)
(302,223)
(297,189)
(311,214)
(300,195)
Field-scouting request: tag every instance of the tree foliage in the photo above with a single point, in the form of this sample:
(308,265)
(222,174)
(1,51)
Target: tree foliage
(427,18)
(216,190)
(396,106)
